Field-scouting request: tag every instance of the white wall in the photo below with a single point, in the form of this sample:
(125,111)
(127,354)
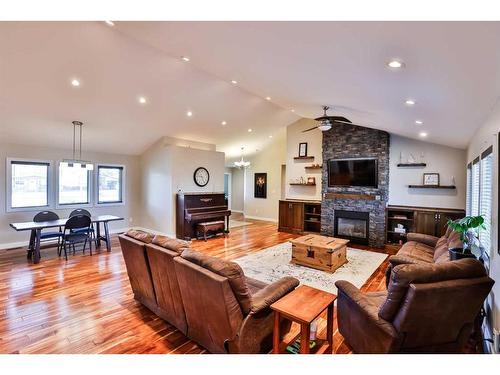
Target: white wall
(130,210)
(448,162)
(295,169)
(267,161)
(167,169)
(487,136)
(237,189)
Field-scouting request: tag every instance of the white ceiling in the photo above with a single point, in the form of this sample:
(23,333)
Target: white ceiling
(38,103)
(452,71)
(452,68)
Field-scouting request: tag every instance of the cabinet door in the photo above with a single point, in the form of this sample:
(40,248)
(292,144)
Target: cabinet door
(426,223)
(297,217)
(284,214)
(443,220)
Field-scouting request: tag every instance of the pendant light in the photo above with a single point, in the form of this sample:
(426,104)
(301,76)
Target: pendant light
(74,162)
(242,163)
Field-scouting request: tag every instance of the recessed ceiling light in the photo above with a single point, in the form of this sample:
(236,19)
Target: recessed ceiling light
(395,64)
(410,102)
(249,130)
(293,110)
(234,82)
(419,122)
(185,58)
(268,98)
(223,122)
(75,82)
(270,136)
(110,23)
(423,134)
(142,100)
(189,114)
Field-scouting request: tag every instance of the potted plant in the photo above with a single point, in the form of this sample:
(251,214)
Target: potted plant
(469,228)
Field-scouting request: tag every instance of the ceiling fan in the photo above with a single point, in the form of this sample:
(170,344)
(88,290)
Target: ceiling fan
(326,122)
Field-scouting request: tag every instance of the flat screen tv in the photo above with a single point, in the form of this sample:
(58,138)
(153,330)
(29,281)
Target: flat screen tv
(353,172)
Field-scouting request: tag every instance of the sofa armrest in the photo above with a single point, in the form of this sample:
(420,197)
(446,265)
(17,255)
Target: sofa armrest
(360,323)
(273,292)
(426,239)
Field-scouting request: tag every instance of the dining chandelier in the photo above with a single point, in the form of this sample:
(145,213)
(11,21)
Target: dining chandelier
(77,162)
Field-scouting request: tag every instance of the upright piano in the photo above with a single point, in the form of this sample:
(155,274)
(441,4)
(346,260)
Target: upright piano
(193,208)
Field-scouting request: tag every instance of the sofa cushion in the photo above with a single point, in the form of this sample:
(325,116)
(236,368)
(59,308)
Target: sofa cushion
(173,244)
(418,251)
(404,275)
(230,270)
(140,235)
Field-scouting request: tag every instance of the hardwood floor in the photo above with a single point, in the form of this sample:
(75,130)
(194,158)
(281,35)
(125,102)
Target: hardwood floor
(85,305)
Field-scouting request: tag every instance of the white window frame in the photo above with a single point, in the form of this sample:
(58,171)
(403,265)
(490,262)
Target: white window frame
(489,215)
(123,185)
(8,183)
(90,193)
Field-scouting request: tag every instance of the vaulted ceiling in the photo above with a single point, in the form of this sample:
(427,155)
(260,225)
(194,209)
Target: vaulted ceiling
(452,71)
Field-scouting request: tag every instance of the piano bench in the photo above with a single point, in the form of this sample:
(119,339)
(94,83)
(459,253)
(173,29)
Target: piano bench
(215,227)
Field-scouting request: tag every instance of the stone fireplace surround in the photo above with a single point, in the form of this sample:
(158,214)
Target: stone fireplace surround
(350,141)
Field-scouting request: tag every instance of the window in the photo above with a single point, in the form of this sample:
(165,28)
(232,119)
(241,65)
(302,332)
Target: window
(28,184)
(475,188)
(73,186)
(109,184)
(486,197)
(468,198)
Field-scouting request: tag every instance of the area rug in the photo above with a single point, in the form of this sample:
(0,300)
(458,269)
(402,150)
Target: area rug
(273,263)
(237,223)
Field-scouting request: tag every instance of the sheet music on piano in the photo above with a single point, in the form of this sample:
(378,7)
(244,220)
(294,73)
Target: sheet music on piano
(193,208)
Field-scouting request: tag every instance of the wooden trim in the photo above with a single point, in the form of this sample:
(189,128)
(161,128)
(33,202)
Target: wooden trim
(418,208)
(349,196)
(412,165)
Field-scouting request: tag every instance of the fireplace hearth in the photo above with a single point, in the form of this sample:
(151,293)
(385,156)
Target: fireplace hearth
(352,225)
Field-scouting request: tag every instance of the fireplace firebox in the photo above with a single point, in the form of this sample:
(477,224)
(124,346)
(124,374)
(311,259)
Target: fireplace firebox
(352,225)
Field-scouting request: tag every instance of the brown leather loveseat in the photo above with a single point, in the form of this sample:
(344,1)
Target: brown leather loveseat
(425,249)
(208,299)
(428,307)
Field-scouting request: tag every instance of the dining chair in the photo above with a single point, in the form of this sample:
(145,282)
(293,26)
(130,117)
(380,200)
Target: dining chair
(72,237)
(82,211)
(47,235)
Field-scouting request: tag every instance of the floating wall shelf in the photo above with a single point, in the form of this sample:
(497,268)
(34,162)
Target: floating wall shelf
(303,158)
(313,168)
(432,186)
(412,165)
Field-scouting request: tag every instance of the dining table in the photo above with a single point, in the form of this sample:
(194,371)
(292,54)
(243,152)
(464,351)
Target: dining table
(37,227)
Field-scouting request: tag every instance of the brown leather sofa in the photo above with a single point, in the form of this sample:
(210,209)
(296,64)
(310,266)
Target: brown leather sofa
(208,299)
(425,249)
(428,307)
(151,271)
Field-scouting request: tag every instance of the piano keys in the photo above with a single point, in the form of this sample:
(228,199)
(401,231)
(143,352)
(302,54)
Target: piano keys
(193,208)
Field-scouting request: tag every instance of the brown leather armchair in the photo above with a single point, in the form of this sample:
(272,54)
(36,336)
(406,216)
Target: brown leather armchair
(428,308)
(227,312)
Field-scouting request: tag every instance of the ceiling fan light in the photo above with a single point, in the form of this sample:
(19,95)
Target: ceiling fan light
(325,125)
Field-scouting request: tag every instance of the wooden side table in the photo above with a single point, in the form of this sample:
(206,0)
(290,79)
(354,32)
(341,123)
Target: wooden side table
(303,306)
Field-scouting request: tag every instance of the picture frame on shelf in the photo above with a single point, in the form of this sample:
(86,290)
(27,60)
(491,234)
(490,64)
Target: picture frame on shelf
(302,149)
(311,180)
(431,179)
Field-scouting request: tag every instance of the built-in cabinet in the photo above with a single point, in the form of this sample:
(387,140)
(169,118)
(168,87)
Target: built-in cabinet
(299,216)
(424,220)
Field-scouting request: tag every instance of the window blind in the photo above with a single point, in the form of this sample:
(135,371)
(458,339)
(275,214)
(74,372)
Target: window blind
(468,197)
(486,198)
(475,187)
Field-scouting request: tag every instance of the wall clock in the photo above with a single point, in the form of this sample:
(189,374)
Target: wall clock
(201,176)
